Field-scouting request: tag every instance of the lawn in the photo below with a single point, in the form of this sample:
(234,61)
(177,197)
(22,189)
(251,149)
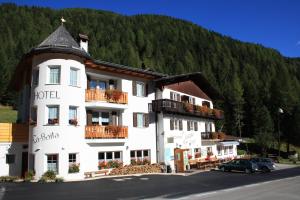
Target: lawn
(7,114)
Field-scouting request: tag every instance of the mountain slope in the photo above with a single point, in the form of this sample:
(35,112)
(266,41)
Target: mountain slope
(254,80)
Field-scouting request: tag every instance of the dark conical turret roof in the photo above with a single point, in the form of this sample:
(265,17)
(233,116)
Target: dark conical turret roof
(60,37)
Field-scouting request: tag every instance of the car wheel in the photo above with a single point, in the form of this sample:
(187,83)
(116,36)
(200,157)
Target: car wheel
(222,169)
(248,171)
(265,170)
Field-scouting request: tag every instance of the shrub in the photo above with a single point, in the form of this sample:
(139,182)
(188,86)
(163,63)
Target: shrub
(74,168)
(241,152)
(29,175)
(59,180)
(51,175)
(8,178)
(114,164)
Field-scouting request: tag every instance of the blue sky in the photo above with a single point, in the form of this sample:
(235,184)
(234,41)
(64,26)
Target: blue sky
(272,23)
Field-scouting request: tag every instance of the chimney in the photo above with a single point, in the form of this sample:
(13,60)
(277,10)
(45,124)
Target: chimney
(83,41)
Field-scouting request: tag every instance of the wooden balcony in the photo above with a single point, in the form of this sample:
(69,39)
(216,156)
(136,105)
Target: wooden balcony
(14,132)
(176,107)
(106,132)
(110,96)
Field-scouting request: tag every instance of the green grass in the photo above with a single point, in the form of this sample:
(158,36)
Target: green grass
(7,115)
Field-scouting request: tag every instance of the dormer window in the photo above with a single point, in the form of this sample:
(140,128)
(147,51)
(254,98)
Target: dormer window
(54,74)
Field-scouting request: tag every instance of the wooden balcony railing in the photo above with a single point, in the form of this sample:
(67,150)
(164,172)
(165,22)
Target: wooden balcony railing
(212,136)
(106,132)
(14,132)
(171,106)
(111,96)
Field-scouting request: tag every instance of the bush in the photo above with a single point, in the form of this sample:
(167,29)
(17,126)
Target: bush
(241,152)
(29,175)
(8,178)
(59,180)
(50,175)
(74,168)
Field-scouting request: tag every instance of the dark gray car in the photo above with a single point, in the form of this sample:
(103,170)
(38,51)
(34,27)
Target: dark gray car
(264,164)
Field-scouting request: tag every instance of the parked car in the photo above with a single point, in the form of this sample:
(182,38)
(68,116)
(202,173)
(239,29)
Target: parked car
(264,164)
(243,165)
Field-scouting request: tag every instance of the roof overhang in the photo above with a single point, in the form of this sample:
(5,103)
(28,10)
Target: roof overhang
(122,69)
(196,77)
(228,143)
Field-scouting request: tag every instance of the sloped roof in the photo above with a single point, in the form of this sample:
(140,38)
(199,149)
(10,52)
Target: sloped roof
(60,37)
(197,78)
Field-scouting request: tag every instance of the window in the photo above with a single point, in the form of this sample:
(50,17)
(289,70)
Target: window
(219,148)
(53,114)
(190,125)
(226,150)
(35,77)
(97,84)
(208,127)
(111,155)
(95,118)
(72,158)
(192,100)
(54,77)
(73,77)
(209,150)
(175,96)
(140,120)
(52,163)
(73,115)
(140,155)
(140,87)
(230,149)
(196,126)
(104,118)
(10,158)
(175,124)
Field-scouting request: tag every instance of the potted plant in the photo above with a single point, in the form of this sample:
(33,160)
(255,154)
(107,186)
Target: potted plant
(74,168)
(187,107)
(102,165)
(221,135)
(197,155)
(214,135)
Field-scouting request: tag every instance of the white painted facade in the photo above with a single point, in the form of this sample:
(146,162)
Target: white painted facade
(52,141)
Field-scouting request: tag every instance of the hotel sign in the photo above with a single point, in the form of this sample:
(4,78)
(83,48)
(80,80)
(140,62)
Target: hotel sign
(46,94)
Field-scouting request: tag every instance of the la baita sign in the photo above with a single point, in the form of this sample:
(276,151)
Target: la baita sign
(44,137)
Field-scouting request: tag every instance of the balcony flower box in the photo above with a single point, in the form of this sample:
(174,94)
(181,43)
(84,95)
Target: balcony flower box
(113,95)
(73,122)
(221,136)
(188,107)
(113,129)
(214,135)
(53,121)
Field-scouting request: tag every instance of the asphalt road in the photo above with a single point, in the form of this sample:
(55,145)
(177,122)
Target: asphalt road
(141,187)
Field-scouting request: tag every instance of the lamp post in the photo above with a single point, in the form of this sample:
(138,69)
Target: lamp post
(280,111)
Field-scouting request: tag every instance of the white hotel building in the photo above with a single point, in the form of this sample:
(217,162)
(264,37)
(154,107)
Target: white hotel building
(86,111)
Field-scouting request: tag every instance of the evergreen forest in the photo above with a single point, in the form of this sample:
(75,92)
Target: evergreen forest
(255,81)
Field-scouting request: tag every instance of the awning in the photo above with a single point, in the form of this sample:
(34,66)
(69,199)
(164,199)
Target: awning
(228,143)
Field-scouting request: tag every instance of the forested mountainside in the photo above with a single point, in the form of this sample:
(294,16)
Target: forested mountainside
(255,81)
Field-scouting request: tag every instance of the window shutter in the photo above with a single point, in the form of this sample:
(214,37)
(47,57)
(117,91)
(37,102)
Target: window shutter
(188,125)
(134,88)
(146,120)
(171,124)
(146,90)
(196,126)
(134,119)
(89,117)
(180,124)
